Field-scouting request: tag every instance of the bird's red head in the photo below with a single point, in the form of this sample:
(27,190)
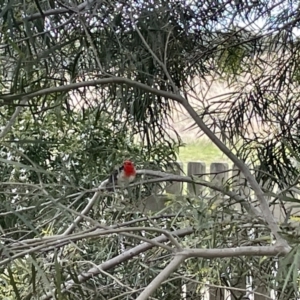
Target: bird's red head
(129,168)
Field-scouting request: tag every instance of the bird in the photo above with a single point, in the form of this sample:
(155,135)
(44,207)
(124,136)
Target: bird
(122,176)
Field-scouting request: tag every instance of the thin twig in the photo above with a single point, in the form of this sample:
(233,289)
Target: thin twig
(55,11)
(171,177)
(13,118)
(235,289)
(85,211)
(175,89)
(161,277)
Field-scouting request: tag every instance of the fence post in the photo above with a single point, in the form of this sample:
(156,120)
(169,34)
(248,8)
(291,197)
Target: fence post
(240,185)
(217,294)
(257,284)
(218,175)
(176,187)
(198,168)
(156,202)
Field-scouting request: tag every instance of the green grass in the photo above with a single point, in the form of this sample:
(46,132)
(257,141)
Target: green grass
(201,150)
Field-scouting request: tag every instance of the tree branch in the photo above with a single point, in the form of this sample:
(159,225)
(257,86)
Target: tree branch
(162,276)
(163,177)
(55,11)
(86,210)
(111,263)
(56,241)
(113,79)
(244,169)
(237,251)
(13,118)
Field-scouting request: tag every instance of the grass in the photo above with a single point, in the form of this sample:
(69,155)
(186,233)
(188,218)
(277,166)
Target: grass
(201,150)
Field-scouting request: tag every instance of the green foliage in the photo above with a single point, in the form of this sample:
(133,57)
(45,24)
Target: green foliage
(78,154)
(40,158)
(234,53)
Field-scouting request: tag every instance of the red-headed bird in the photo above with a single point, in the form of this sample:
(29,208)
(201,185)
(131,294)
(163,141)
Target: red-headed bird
(122,176)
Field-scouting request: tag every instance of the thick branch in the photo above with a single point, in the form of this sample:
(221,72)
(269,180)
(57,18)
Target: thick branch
(72,86)
(238,251)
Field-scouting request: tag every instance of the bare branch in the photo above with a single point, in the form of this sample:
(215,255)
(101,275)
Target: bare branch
(56,11)
(86,209)
(109,80)
(162,276)
(13,118)
(237,251)
(57,241)
(110,264)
